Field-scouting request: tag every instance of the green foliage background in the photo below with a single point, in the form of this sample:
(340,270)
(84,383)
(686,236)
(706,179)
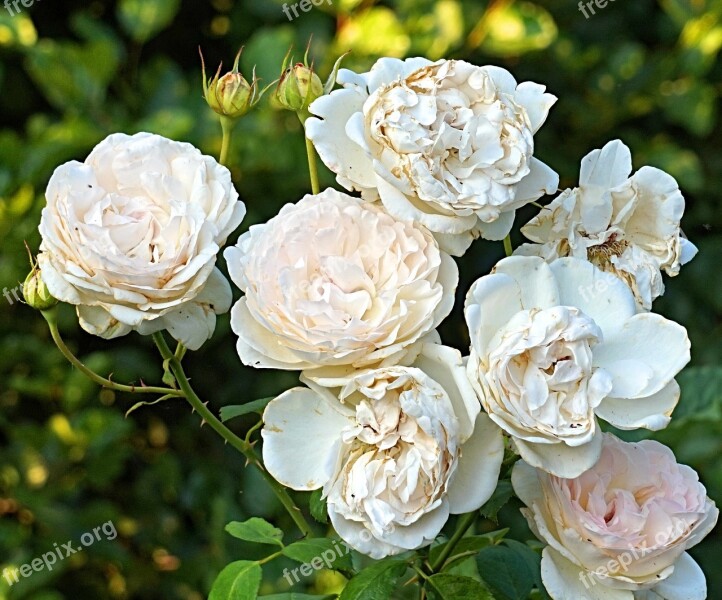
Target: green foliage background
(72,72)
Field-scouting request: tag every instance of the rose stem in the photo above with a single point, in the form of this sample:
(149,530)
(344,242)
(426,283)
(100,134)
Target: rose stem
(50,317)
(312,168)
(227,128)
(244,448)
(465,522)
(508,248)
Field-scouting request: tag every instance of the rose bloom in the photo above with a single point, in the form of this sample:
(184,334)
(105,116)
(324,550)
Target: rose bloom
(396,450)
(446,144)
(628,226)
(621,530)
(551,352)
(333,281)
(131,235)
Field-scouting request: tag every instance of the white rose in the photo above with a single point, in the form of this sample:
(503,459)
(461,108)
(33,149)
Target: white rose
(396,450)
(333,281)
(131,235)
(621,530)
(629,226)
(551,352)
(446,144)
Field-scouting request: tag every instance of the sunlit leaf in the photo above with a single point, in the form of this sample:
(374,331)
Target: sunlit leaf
(375,581)
(17,30)
(240,579)
(143,19)
(455,587)
(514,28)
(374,32)
(256,530)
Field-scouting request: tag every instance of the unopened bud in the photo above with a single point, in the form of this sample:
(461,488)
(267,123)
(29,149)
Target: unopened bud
(36,292)
(230,95)
(299,86)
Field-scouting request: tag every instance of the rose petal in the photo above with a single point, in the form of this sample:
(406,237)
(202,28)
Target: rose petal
(653,412)
(497,230)
(603,297)
(531,96)
(564,580)
(559,459)
(445,366)
(328,134)
(541,180)
(608,167)
(257,347)
(477,473)
(687,581)
(643,355)
(289,422)
(535,279)
(491,302)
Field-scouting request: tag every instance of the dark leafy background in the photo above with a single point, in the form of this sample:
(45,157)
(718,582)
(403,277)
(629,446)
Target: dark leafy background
(73,72)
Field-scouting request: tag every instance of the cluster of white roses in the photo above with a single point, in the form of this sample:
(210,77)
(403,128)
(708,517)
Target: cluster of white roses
(350,291)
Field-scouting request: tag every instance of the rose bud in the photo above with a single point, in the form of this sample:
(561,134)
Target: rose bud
(36,292)
(230,95)
(299,86)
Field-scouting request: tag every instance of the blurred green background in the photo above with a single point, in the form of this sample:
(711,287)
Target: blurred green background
(73,72)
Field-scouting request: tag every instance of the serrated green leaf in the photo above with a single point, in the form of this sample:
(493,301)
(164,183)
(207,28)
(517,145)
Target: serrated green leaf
(701,394)
(506,572)
(374,582)
(456,587)
(318,507)
(296,596)
(256,530)
(239,580)
(533,561)
(502,494)
(257,406)
(332,554)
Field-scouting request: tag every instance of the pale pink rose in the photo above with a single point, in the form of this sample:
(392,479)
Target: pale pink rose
(620,531)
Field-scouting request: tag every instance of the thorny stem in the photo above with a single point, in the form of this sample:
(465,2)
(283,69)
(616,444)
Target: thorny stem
(243,447)
(50,317)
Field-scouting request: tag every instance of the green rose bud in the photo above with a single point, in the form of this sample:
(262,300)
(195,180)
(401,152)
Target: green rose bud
(230,95)
(299,86)
(36,292)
